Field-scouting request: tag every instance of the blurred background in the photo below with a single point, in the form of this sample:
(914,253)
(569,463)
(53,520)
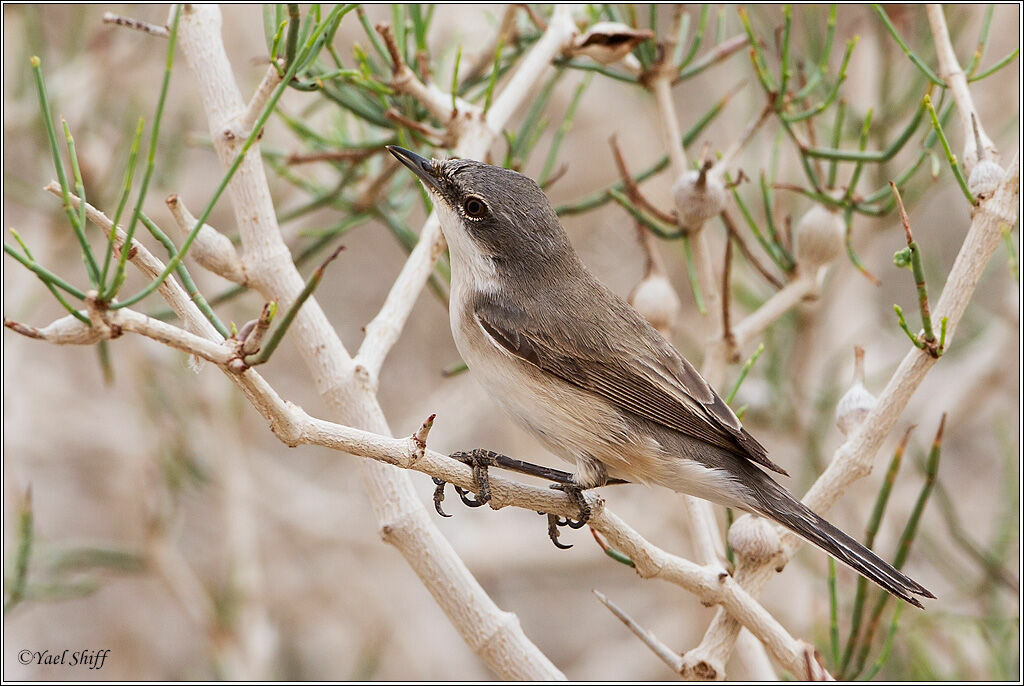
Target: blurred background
(282,543)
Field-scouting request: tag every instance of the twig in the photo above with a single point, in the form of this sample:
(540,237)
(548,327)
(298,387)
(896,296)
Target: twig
(953,75)
(404,80)
(260,97)
(136,24)
(671,658)
(294,427)
(211,248)
(853,459)
(632,190)
(927,341)
(735,235)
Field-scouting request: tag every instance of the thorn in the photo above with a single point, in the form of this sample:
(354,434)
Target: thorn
(24,329)
(420,437)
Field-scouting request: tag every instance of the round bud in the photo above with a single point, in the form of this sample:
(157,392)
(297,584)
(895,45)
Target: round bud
(698,197)
(819,237)
(754,539)
(985,179)
(656,299)
(902,258)
(853,408)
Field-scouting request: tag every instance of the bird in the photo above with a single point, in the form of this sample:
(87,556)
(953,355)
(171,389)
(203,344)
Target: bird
(584,372)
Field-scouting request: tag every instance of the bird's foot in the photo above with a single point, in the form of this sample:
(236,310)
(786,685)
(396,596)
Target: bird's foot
(479,460)
(554,521)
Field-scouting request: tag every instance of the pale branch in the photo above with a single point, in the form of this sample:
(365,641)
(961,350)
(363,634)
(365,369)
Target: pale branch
(671,658)
(110,324)
(404,80)
(802,287)
(473,139)
(294,427)
(715,55)
(521,86)
(260,98)
(150,267)
(494,635)
(954,76)
(703,527)
(136,25)
(853,459)
(211,248)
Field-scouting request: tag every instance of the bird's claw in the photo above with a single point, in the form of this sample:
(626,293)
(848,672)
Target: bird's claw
(439,495)
(554,521)
(479,460)
(553,524)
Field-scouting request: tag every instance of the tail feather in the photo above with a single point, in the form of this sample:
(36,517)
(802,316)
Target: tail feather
(805,523)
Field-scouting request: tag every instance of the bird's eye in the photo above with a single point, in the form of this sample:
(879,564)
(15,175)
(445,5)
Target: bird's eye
(474,207)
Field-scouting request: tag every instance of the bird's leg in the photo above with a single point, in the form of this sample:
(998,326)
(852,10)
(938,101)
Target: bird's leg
(573,485)
(590,473)
(479,459)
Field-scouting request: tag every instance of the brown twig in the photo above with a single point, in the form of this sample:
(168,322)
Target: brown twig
(534,17)
(345,155)
(726,276)
(730,226)
(436,135)
(135,24)
(632,190)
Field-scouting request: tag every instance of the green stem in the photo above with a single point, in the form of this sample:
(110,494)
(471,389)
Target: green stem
(293,33)
(837,133)
(51,135)
(655,225)
(48,283)
(691,273)
(874,523)
(995,67)
(257,130)
(45,274)
(859,167)
(918,62)
(831,96)
(906,329)
(76,171)
(743,373)
(873,156)
(186,278)
(26,537)
(563,129)
(904,545)
(119,275)
(276,337)
(950,157)
(126,189)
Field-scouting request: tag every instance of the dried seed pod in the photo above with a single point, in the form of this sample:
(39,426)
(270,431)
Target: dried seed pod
(608,42)
(985,179)
(656,299)
(818,238)
(698,196)
(856,403)
(754,538)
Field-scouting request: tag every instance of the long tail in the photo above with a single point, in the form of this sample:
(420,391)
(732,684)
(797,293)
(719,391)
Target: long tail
(779,505)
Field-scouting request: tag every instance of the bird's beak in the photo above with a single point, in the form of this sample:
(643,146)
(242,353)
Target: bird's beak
(420,166)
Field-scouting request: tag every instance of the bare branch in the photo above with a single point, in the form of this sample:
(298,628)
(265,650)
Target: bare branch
(136,25)
(662,651)
(953,75)
(211,248)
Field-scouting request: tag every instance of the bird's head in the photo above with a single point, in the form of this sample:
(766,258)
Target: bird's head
(489,212)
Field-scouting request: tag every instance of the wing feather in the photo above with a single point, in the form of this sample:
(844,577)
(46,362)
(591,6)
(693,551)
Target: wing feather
(658,384)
